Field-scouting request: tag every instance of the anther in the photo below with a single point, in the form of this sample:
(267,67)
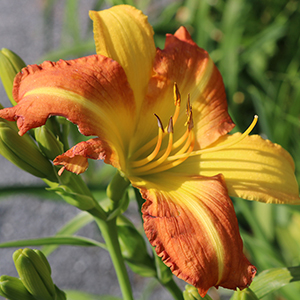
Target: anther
(190,120)
(159,122)
(188,105)
(170,126)
(177,97)
(177,101)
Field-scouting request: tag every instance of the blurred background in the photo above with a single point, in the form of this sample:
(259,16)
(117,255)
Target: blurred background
(256,46)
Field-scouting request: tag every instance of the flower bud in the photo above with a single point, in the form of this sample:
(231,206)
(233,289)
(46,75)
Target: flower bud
(117,187)
(34,273)
(10,65)
(48,143)
(246,294)
(13,289)
(191,293)
(23,152)
(133,248)
(60,295)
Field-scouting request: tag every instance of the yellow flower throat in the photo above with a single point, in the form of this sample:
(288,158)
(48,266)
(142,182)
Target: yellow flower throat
(161,159)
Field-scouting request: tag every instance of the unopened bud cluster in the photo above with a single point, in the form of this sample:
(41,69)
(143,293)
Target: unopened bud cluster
(35,282)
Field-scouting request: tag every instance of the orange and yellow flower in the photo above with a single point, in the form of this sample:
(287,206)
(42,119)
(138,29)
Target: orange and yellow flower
(187,166)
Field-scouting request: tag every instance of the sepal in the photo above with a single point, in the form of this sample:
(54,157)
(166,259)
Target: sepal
(10,65)
(12,288)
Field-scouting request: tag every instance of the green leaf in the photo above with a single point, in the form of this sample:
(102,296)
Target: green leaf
(76,295)
(54,240)
(273,279)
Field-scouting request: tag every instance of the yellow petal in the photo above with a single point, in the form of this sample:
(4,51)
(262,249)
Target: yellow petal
(192,224)
(254,169)
(124,34)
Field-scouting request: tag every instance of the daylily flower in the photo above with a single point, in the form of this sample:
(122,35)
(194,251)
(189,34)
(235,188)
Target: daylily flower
(187,166)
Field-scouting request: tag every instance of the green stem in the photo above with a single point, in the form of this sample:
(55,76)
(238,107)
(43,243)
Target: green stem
(174,290)
(110,235)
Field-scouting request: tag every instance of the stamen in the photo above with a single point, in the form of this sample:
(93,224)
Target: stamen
(177,101)
(170,126)
(190,143)
(188,105)
(181,140)
(151,156)
(190,125)
(217,148)
(164,156)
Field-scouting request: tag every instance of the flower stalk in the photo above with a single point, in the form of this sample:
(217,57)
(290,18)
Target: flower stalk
(110,235)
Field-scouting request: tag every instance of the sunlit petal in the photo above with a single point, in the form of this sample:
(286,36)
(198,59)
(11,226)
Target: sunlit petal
(76,159)
(124,34)
(192,224)
(183,62)
(254,169)
(91,92)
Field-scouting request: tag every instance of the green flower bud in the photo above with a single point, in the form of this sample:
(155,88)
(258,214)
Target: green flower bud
(13,289)
(133,248)
(48,143)
(117,187)
(10,65)
(23,152)
(43,258)
(34,273)
(191,293)
(60,295)
(246,294)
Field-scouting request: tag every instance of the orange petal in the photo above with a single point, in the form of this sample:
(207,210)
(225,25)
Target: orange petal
(183,62)
(92,92)
(76,159)
(192,225)
(124,34)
